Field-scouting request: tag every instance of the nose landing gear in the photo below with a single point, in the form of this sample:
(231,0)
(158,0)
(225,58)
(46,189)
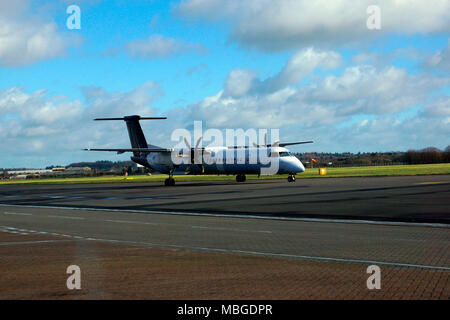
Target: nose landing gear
(291,178)
(240,178)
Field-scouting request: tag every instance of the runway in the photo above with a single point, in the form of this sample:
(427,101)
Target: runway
(265,220)
(406,199)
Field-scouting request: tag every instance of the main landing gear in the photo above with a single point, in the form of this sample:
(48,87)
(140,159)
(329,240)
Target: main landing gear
(240,178)
(170,181)
(291,178)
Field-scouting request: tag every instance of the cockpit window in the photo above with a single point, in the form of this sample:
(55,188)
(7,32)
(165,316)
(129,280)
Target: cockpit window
(284,154)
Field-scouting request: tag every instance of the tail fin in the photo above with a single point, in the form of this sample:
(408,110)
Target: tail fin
(135,132)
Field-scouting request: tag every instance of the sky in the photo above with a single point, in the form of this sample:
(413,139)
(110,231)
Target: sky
(312,69)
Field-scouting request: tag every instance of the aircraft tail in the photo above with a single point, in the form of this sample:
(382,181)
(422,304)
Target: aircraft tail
(137,138)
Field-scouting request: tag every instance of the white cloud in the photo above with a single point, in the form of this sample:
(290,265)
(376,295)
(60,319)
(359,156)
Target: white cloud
(273,25)
(366,89)
(438,107)
(55,129)
(239,82)
(104,104)
(381,59)
(282,100)
(25,39)
(391,134)
(196,68)
(441,59)
(35,109)
(302,64)
(324,109)
(158,46)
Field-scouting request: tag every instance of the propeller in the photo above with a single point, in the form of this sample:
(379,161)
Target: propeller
(265,145)
(197,157)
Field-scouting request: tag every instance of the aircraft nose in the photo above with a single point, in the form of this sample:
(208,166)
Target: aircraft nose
(292,165)
(301,167)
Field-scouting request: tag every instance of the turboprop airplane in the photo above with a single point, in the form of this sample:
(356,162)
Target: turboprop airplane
(201,160)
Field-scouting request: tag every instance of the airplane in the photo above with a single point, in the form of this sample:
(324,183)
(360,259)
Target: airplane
(160,159)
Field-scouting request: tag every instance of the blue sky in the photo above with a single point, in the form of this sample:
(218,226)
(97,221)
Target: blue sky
(315,72)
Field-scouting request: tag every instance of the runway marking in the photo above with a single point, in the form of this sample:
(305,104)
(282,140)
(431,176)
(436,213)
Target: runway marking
(132,222)
(431,182)
(30,242)
(53,197)
(231,229)
(66,217)
(235,251)
(28,232)
(17,213)
(181,213)
(282,255)
(14,230)
(63,197)
(194,227)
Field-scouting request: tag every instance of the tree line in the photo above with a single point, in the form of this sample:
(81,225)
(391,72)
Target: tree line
(423,156)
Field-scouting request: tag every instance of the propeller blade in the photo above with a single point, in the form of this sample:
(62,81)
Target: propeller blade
(187,143)
(276,143)
(198,142)
(198,152)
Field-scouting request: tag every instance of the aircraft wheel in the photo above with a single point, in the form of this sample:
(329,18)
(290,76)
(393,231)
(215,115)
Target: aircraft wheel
(291,178)
(169,182)
(240,178)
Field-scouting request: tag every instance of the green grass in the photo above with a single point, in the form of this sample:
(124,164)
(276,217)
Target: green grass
(407,170)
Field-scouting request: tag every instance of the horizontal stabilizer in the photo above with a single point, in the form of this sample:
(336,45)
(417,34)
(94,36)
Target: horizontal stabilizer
(132,118)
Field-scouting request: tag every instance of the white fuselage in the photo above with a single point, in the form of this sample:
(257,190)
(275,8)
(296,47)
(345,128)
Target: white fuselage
(224,160)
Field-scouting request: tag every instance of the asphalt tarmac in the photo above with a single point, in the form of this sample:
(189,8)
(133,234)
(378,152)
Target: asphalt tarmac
(406,199)
(397,223)
(398,245)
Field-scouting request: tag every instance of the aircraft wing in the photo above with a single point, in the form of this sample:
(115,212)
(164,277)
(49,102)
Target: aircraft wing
(271,145)
(292,143)
(119,151)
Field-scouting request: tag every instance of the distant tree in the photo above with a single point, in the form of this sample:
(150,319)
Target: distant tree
(426,155)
